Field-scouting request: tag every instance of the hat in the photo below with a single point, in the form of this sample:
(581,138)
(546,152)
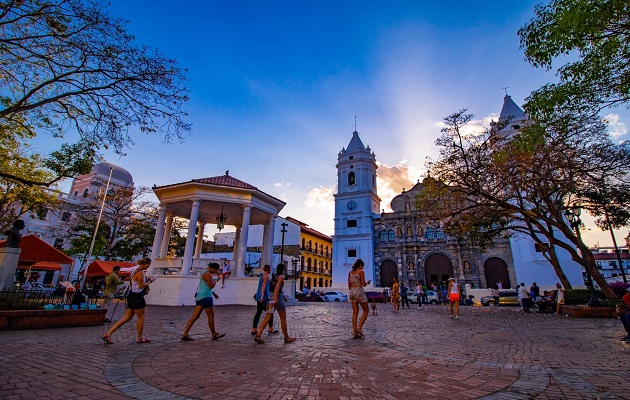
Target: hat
(451,279)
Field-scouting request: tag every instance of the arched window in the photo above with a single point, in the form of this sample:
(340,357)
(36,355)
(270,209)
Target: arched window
(310,245)
(85,193)
(383,236)
(303,243)
(351,178)
(390,236)
(430,233)
(439,234)
(76,193)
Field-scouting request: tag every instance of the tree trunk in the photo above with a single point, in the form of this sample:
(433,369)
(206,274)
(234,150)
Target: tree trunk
(597,277)
(555,263)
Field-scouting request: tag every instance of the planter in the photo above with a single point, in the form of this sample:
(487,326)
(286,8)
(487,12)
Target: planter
(43,319)
(588,312)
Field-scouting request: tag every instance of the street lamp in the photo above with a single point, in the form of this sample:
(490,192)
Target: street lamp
(221,218)
(573,216)
(294,261)
(284,230)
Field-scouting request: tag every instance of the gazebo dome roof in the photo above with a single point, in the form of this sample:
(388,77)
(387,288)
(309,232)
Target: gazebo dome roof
(118,173)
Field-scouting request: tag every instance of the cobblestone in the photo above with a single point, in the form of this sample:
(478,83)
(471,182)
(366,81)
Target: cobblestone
(490,353)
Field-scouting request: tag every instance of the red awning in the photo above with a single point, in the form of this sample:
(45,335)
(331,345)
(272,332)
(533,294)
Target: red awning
(35,250)
(44,266)
(104,268)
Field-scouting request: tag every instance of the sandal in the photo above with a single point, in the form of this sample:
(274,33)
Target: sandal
(253,332)
(289,340)
(217,335)
(272,332)
(107,339)
(360,333)
(258,339)
(143,340)
(187,339)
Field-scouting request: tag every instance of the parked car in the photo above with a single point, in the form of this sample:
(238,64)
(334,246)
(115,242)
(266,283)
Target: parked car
(506,298)
(432,297)
(335,296)
(379,297)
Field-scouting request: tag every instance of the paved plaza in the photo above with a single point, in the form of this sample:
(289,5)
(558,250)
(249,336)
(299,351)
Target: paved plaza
(490,353)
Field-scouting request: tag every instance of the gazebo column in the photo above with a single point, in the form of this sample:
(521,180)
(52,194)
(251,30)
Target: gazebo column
(242,242)
(157,239)
(202,226)
(237,237)
(167,235)
(268,240)
(188,250)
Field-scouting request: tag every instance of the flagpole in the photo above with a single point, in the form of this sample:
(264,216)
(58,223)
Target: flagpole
(98,222)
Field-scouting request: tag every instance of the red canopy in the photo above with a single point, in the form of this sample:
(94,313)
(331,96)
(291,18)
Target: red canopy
(46,266)
(35,250)
(104,268)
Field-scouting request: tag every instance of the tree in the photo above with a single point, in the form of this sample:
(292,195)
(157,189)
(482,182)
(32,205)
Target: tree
(597,34)
(67,68)
(17,199)
(126,217)
(486,184)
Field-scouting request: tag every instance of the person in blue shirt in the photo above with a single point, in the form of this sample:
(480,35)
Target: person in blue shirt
(204,300)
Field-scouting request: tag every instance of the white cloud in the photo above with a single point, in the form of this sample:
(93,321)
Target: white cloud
(320,198)
(391,180)
(616,128)
(475,126)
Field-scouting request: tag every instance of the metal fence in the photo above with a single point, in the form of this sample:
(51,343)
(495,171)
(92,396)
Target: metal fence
(40,300)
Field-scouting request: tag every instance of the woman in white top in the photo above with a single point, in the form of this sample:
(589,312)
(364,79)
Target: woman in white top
(559,298)
(135,302)
(453,296)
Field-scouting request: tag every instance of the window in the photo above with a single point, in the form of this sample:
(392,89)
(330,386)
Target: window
(42,213)
(383,236)
(351,178)
(303,243)
(430,233)
(58,243)
(352,223)
(352,253)
(439,234)
(65,217)
(76,192)
(85,193)
(390,236)
(541,248)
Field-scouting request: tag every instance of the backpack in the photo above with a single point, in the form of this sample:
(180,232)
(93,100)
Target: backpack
(273,283)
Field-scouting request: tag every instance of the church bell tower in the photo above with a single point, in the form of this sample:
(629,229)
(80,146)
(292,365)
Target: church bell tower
(356,203)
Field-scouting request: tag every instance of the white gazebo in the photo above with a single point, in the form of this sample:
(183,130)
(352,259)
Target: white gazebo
(221,200)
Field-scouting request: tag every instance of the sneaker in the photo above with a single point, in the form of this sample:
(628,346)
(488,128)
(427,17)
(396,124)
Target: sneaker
(457,317)
(451,316)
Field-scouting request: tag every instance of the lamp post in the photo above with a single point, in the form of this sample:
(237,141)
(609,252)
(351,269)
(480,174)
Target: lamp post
(294,261)
(284,230)
(573,216)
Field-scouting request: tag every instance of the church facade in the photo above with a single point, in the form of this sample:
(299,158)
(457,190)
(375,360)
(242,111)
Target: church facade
(405,244)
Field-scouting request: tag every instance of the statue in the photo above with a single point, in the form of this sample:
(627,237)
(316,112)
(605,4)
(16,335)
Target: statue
(13,235)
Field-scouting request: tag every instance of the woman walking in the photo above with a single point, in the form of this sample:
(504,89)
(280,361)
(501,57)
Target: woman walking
(279,305)
(204,300)
(396,294)
(453,296)
(262,300)
(356,283)
(135,302)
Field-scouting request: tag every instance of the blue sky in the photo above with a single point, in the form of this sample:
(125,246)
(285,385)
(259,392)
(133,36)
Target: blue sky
(275,87)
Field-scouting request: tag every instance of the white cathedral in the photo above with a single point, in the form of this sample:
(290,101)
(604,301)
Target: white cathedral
(405,245)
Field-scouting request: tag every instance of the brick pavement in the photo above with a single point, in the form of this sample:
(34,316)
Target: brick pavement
(491,353)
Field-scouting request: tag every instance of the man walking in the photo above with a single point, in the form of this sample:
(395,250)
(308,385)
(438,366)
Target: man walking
(111,288)
(523,297)
(404,290)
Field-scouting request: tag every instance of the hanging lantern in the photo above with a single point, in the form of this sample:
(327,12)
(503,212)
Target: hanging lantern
(221,218)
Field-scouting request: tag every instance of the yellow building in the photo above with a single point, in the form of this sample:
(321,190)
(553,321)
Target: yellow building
(315,258)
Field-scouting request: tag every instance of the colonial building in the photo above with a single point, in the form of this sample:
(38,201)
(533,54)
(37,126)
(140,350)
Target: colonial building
(315,267)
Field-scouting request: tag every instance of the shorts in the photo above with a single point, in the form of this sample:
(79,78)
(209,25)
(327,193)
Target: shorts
(453,297)
(280,306)
(135,301)
(206,302)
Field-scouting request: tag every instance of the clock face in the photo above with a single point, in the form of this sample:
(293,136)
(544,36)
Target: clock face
(352,205)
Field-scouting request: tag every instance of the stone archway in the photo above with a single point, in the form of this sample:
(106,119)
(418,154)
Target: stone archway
(438,268)
(388,271)
(496,271)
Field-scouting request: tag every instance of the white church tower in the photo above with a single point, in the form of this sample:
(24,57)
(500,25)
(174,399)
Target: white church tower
(356,203)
